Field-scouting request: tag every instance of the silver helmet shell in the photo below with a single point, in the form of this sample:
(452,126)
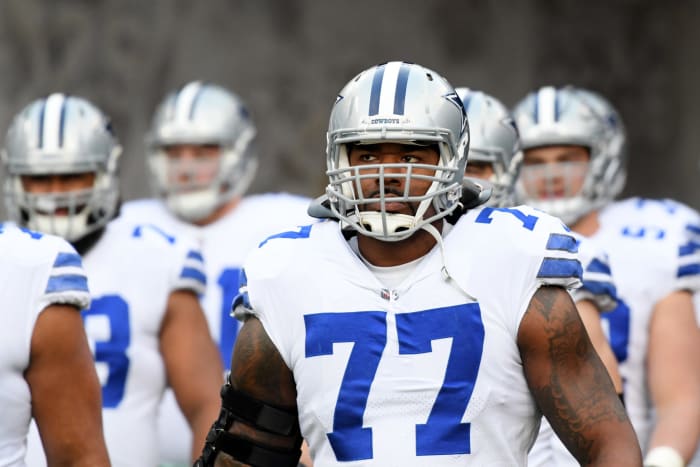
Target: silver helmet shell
(569,115)
(493,140)
(401,103)
(56,135)
(201,114)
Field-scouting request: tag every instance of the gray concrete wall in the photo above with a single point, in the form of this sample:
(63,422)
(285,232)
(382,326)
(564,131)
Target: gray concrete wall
(289,58)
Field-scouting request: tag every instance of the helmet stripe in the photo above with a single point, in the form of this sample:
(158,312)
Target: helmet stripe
(546,105)
(536,108)
(186,100)
(389,88)
(195,100)
(401,85)
(376,90)
(52,122)
(62,123)
(40,136)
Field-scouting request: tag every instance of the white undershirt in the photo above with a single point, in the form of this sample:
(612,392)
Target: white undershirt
(392,276)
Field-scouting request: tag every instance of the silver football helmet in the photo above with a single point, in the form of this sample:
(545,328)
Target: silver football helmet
(57,135)
(576,117)
(401,103)
(494,140)
(201,114)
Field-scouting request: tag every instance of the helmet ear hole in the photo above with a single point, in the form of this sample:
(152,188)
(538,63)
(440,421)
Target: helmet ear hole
(202,114)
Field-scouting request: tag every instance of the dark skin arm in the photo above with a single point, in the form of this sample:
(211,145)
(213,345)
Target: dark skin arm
(571,385)
(257,369)
(66,394)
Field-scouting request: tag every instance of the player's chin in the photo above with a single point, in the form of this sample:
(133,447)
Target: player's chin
(391,208)
(553,195)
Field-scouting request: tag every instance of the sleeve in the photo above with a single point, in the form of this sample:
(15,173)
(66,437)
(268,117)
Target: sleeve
(560,264)
(523,250)
(185,262)
(241,307)
(67,282)
(598,285)
(192,275)
(542,243)
(688,270)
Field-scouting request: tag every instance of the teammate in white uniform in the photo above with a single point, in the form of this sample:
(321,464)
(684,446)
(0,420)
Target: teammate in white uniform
(494,146)
(654,218)
(495,156)
(426,338)
(202,160)
(574,166)
(145,323)
(46,369)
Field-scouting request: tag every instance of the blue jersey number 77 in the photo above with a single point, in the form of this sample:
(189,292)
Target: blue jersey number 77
(443,433)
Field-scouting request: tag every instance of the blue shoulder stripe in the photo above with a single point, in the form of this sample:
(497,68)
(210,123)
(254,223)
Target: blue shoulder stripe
(688,270)
(67,283)
(193,273)
(562,242)
(600,288)
(67,259)
(560,267)
(692,228)
(688,249)
(597,265)
(194,254)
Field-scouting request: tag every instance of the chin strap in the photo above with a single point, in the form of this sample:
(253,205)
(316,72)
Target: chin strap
(430,228)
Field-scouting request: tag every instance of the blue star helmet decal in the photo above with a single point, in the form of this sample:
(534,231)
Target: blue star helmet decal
(454,98)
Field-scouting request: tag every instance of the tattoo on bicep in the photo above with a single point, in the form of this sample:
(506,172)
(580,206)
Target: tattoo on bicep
(578,394)
(258,368)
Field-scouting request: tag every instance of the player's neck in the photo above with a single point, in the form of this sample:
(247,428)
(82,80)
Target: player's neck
(588,225)
(219,212)
(385,254)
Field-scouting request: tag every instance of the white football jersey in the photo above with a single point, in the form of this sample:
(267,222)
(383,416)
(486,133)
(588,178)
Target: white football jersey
(599,287)
(651,255)
(133,269)
(672,214)
(225,245)
(36,271)
(423,374)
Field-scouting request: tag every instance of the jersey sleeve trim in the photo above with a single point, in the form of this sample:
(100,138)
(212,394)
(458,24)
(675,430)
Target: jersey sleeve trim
(561,265)
(193,276)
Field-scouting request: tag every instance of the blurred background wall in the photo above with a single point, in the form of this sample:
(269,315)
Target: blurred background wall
(289,58)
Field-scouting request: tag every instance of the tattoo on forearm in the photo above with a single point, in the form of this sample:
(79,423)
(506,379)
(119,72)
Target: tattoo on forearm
(576,408)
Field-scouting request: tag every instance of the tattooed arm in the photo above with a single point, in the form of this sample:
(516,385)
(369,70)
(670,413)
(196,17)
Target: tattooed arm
(257,369)
(570,384)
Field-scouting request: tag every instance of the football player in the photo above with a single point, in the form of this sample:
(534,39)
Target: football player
(145,323)
(494,148)
(46,369)
(574,166)
(202,159)
(494,155)
(405,331)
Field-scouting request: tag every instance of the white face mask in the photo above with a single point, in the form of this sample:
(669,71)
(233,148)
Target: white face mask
(557,189)
(71,215)
(555,181)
